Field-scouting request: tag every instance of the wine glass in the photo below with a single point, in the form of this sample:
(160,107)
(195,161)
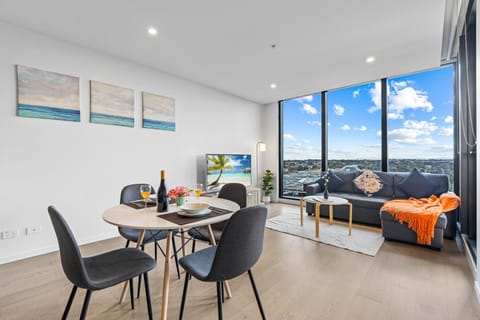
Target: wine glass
(145,191)
(197,189)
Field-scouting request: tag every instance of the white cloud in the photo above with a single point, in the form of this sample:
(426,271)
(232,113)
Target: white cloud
(448,119)
(356,93)
(338,109)
(394,116)
(442,148)
(309,109)
(361,128)
(376,96)
(290,137)
(424,126)
(345,127)
(306,141)
(446,131)
(308,98)
(372,146)
(403,98)
(433,118)
(379,133)
(410,136)
(315,123)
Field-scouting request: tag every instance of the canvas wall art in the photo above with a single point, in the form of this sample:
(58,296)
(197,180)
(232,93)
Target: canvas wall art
(111,104)
(47,95)
(158,112)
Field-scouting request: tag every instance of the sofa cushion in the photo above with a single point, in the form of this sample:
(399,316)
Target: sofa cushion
(368,182)
(441,221)
(387,190)
(347,181)
(333,182)
(361,200)
(417,185)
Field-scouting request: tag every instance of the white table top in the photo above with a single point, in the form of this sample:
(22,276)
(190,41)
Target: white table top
(330,201)
(125,216)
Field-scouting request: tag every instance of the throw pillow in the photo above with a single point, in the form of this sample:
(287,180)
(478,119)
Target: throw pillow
(417,185)
(333,182)
(369,183)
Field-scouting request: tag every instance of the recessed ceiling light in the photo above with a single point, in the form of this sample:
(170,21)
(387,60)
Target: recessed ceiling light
(370,59)
(152,31)
(273,85)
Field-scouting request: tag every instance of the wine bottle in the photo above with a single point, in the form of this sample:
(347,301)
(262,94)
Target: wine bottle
(162,195)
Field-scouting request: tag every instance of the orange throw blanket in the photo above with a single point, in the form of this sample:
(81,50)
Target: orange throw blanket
(422,214)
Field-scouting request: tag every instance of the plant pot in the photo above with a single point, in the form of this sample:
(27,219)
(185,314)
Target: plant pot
(180,201)
(266,199)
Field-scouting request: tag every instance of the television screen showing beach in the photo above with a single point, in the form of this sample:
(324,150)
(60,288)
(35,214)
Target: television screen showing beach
(47,95)
(228,168)
(111,104)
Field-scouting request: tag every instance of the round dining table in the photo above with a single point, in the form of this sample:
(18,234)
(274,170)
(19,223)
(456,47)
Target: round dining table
(149,219)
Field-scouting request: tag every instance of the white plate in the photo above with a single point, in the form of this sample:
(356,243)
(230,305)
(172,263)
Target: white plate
(194,214)
(194,207)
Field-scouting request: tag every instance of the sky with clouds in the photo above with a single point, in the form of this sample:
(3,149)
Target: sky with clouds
(420,120)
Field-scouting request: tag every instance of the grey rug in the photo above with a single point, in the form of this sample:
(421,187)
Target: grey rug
(363,240)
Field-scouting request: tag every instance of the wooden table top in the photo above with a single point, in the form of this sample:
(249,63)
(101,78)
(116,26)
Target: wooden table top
(147,219)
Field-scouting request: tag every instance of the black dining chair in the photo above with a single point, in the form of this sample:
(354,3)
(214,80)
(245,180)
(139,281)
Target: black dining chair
(101,271)
(235,192)
(238,250)
(131,193)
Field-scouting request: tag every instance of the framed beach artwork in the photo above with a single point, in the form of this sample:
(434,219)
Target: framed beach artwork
(111,104)
(158,112)
(47,95)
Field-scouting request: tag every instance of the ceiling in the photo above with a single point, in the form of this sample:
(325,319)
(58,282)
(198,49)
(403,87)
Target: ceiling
(227,45)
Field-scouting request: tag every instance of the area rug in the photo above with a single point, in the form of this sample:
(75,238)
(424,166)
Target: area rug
(363,240)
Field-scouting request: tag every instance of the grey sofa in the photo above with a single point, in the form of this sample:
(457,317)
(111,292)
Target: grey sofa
(366,210)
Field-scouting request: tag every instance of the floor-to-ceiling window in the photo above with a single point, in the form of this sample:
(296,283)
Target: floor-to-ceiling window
(301,142)
(417,112)
(354,124)
(420,122)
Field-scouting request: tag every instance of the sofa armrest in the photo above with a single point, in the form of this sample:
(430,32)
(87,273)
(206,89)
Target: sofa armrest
(311,188)
(451,230)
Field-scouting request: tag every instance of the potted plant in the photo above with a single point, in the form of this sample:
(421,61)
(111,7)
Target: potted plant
(267,185)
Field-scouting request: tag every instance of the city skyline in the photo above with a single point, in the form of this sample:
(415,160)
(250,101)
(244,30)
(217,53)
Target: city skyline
(420,120)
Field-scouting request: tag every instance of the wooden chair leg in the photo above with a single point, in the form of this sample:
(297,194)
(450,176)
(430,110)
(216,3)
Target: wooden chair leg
(147,293)
(184,295)
(132,303)
(219,300)
(256,294)
(86,302)
(69,303)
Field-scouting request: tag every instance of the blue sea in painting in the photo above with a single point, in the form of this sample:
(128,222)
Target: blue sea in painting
(109,119)
(31,111)
(157,124)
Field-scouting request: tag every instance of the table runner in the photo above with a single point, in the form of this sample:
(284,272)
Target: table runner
(181,220)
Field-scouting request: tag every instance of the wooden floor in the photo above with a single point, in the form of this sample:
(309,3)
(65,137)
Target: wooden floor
(296,278)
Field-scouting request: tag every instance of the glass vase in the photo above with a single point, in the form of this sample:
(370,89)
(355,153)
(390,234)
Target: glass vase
(325,193)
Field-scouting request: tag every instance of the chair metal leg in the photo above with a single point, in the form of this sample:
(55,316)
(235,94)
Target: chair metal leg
(155,245)
(132,303)
(83,315)
(256,294)
(69,303)
(128,242)
(175,255)
(219,300)
(139,285)
(193,245)
(147,293)
(223,292)
(184,295)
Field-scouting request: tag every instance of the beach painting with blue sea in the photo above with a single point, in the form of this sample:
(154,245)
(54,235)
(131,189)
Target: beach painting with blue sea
(111,104)
(228,168)
(47,95)
(158,112)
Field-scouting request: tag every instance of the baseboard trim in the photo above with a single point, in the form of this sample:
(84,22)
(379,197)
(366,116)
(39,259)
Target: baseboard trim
(52,248)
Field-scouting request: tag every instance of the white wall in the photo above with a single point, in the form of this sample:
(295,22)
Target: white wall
(270,136)
(81,167)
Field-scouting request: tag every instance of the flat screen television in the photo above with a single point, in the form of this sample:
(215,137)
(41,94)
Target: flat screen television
(227,168)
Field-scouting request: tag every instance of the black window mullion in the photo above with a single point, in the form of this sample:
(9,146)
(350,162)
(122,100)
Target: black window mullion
(384,125)
(324,131)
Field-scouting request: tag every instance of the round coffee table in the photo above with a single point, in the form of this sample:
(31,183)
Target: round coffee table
(330,202)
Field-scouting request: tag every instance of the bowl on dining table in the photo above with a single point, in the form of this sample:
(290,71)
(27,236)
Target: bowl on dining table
(195,208)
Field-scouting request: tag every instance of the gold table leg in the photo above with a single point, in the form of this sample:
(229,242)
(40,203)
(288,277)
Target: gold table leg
(317,220)
(213,242)
(141,235)
(166,276)
(301,211)
(330,214)
(350,220)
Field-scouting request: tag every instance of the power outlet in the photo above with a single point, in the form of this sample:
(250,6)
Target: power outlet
(33,229)
(8,234)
